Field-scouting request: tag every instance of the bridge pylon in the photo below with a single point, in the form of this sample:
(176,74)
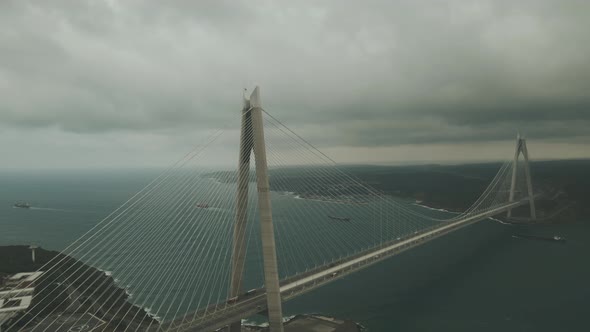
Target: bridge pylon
(522,149)
(252,139)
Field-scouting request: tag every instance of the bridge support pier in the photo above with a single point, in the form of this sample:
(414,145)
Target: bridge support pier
(521,148)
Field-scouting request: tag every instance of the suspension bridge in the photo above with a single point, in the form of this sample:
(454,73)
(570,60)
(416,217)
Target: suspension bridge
(202,247)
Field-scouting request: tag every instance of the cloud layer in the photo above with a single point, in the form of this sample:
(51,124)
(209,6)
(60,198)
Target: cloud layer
(358,74)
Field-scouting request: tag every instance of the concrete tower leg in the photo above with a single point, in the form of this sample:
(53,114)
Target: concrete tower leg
(239,238)
(529,182)
(514,170)
(271,273)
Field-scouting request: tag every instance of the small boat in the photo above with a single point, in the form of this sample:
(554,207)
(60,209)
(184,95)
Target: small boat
(339,218)
(22,205)
(202,205)
(554,238)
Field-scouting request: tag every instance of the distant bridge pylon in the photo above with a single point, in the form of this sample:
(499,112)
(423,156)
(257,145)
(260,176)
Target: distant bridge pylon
(521,148)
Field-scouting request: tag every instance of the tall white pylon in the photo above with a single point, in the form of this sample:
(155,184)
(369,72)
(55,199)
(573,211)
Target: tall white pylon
(521,148)
(252,138)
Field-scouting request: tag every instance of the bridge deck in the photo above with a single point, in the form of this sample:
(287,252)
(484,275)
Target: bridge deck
(221,314)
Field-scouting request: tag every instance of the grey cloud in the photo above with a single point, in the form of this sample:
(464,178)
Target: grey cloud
(373,72)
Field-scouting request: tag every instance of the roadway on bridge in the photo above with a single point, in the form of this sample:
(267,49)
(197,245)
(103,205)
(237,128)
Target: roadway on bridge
(218,315)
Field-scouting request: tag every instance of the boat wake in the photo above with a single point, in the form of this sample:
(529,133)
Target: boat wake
(59,210)
(501,222)
(49,209)
(554,238)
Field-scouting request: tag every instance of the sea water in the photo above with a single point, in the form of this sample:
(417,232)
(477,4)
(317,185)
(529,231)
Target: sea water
(479,278)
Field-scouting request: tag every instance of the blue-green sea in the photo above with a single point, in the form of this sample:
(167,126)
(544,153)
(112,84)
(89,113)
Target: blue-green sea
(479,278)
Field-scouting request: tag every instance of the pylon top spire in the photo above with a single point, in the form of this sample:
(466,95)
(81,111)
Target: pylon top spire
(255,98)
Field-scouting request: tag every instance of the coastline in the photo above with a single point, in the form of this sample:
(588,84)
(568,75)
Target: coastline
(55,285)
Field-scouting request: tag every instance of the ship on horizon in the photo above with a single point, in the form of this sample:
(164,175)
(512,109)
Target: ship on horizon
(22,205)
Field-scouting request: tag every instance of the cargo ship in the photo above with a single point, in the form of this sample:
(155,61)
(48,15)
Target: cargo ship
(22,205)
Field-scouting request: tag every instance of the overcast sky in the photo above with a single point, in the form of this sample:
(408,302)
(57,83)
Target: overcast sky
(138,83)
